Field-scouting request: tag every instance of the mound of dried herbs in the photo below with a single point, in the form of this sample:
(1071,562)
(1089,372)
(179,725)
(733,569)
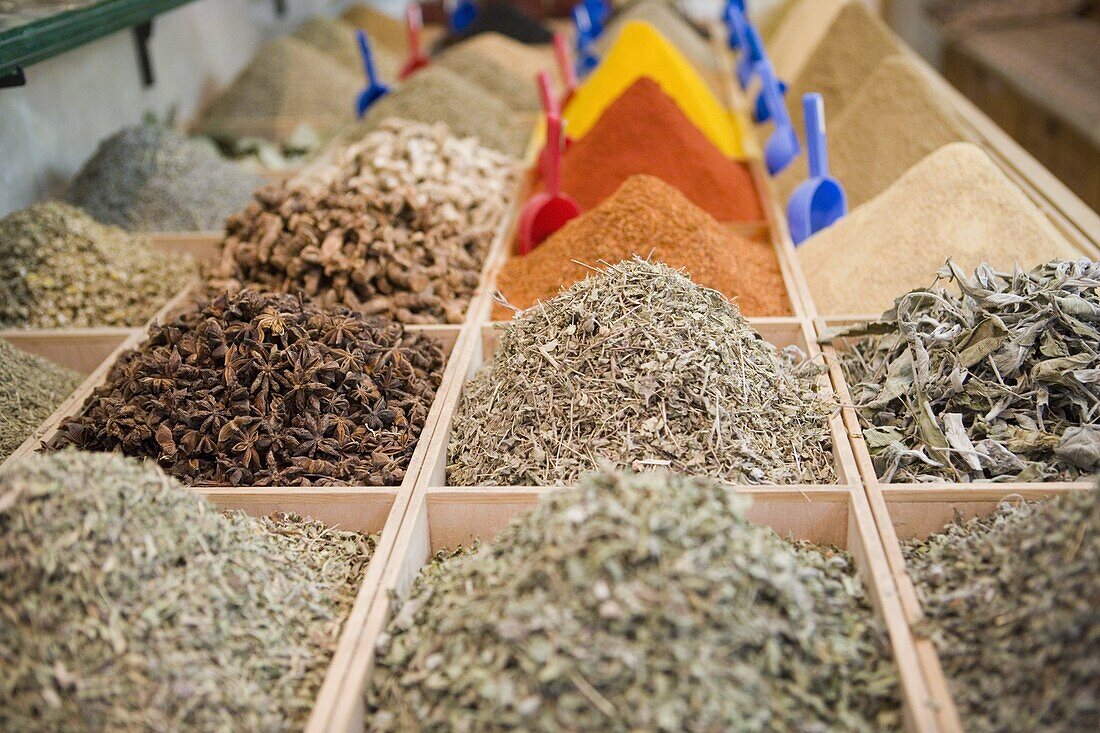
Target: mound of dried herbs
(31,388)
(639,366)
(59,268)
(150,178)
(999,381)
(132,604)
(1011,602)
(399,226)
(636,602)
(265,390)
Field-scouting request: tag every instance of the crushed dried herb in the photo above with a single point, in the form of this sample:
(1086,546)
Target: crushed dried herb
(998,383)
(265,390)
(1010,601)
(398,226)
(132,604)
(59,268)
(639,366)
(637,602)
(31,388)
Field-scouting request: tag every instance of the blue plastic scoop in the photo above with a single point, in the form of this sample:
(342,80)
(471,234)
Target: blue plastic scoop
(375,88)
(782,146)
(819,201)
(734,38)
(463,14)
(586,59)
(761,113)
(750,53)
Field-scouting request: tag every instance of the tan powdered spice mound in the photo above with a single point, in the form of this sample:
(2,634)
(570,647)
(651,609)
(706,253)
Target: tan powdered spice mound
(854,46)
(492,76)
(383,29)
(802,27)
(521,60)
(651,219)
(954,204)
(287,83)
(893,122)
(336,38)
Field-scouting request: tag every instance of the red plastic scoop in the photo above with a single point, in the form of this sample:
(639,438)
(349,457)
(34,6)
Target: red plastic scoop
(414,22)
(546,212)
(565,68)
(549,107)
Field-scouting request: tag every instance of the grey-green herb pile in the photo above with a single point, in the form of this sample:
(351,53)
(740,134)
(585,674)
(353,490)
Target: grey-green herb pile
(473,65)
(150,178)
(1000,382)
(30,389)
(59,268)
(639,366)
(636,602)
(131,604)
(437,94)
(1012,603)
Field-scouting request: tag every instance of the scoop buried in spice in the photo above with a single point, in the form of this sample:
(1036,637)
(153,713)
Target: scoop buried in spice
(820,200)
(414,22)
(375,88)
(546,212)
(782,147)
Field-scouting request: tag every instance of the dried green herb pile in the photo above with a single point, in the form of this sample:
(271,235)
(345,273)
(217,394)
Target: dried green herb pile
(264,390)
(131,604)
(59,268)
(336,38)
(150,178)
(639,366)
(520,95)
(637,602)
(399,226)
(437,94)
(998,381)
(31,388)
(1011,602)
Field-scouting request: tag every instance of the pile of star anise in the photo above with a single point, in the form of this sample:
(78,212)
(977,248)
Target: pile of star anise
(267,390)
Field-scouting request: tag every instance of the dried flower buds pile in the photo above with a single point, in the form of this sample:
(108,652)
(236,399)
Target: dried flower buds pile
(265,390)
(399,226)
(131,604)
(639,366)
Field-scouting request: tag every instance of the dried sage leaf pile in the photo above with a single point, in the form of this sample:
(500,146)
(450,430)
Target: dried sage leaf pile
(636,602)
(150,178)
(265,390)
(639,366)
(31,388)
(131,604)
(999,382)
(1011,602)
(399,226)
(59,268)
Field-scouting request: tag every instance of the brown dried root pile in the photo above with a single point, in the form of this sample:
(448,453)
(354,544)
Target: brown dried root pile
(263,390)
(398,226)
(639,366)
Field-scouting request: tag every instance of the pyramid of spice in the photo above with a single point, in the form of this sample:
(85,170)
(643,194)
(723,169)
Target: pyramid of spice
(1010,601)
(384,29)
(264,390)
(438,95)
(637,602)
(956,204)
(638,366)
(492,76)
(800,28)
(287,83)
(650,219)
(150,178)
(31,388)
(337,38)
(643,131)
(670,24)
(400,225)
(59,268)
(894,120)
(130,603)
(855,44)
(998,383)
(500,16)
(524,62)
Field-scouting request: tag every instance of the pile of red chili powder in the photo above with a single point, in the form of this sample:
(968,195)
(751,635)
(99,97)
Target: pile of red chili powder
(644,131)
(651,219)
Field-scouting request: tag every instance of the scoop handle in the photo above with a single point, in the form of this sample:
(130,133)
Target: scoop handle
(554,145)
(568,73)
(770,88)
(368,58)
(583,24)
(813,110)
(414,23)
(546,94)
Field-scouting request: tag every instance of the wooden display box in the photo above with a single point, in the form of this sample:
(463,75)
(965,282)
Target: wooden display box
(440,517)
(915,512)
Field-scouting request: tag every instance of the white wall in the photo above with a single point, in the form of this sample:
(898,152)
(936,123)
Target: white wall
(49,127)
